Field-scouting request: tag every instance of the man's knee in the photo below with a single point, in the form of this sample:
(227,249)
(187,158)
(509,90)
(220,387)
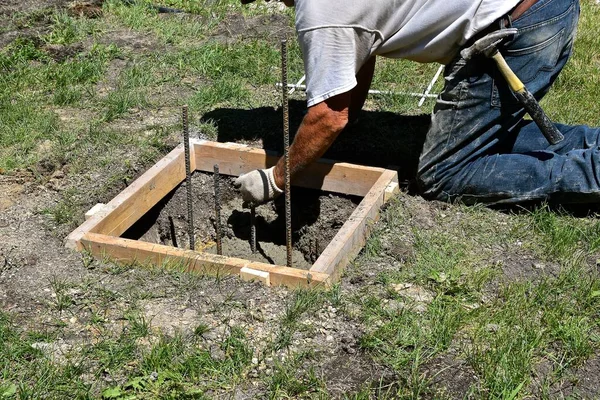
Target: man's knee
(430,185)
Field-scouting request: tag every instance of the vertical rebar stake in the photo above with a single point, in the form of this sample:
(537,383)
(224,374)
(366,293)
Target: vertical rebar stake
(218,228)
(188,176)
(286,151)
(253,229)
(172,230)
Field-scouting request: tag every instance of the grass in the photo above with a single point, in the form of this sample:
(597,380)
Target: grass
(562,238)
(172,367)
(99,99)
(28,372)
(301,302)
(290,380)
(504,338)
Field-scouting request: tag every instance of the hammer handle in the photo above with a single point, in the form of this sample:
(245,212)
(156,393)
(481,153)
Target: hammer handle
(528,102)
(538,115)
(511,78)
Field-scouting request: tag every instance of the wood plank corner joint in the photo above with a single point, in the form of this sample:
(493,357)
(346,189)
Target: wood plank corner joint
(249,275)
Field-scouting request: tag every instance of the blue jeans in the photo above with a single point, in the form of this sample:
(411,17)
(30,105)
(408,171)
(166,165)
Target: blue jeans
(480,149)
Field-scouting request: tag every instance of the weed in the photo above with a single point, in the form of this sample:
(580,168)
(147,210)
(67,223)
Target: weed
(302,301)
(64,29)
(138,326)
(62,300)
(112,354)
(65,211)
(121,101)
(201,329)
(87,259)
(291,380)
(114,268)
(373,246)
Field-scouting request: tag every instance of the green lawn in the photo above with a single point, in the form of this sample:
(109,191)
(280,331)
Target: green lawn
(510,300)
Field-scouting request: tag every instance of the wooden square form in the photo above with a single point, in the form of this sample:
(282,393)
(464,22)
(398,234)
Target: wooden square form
(100,233)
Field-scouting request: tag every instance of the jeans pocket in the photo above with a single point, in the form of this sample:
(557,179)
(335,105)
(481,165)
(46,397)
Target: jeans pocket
(540,38)
(534,53)
(536,56)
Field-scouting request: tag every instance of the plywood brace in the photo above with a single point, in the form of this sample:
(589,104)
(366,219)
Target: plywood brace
(100,234)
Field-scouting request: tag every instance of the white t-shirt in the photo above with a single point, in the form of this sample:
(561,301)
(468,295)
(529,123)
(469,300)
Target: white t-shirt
(338,36)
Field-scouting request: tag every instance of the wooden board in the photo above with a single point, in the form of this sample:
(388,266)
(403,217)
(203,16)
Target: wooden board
(134,251)
(353,235)
(136,200)
(327,175)
(100,233)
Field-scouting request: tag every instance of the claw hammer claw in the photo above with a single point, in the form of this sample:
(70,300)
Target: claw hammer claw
(488,47)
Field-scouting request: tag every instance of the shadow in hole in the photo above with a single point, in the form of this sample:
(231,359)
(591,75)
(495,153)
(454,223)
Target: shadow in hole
(307,205)
(379,139)
(148,220)
(306,209)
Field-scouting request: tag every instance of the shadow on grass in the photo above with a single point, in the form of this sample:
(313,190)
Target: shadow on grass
(380,139)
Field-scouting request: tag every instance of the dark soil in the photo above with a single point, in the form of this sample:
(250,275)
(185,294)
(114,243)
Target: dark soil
(316,218)
(579,383)
(450,376)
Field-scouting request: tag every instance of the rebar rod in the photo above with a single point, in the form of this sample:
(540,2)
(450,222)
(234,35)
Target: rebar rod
(253,229)
(188,176)
(286,151)
(218,228)
(172,230)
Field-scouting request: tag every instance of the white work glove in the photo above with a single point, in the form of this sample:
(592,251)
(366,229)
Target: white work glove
(258,187)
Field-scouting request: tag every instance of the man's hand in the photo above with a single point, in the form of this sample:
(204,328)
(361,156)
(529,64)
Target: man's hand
(258,187)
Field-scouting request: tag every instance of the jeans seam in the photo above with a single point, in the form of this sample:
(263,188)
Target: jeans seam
(544,68)
(452,125)
(533,9)
(546,22)
(537,47)
(460,95)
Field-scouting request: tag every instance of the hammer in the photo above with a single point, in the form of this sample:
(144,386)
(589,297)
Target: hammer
(488,46)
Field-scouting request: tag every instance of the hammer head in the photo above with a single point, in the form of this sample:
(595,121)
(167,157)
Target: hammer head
(487,45)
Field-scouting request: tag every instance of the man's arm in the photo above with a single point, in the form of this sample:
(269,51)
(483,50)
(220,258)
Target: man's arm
(324,122)
(320,127)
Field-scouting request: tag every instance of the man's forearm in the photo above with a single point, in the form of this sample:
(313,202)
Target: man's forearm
(319,129)
(324,122)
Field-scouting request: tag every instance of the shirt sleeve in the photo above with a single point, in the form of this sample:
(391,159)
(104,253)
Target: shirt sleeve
(332,57)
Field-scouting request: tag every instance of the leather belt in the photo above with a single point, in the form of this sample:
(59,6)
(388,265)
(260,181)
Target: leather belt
(502,22)
(517,12)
